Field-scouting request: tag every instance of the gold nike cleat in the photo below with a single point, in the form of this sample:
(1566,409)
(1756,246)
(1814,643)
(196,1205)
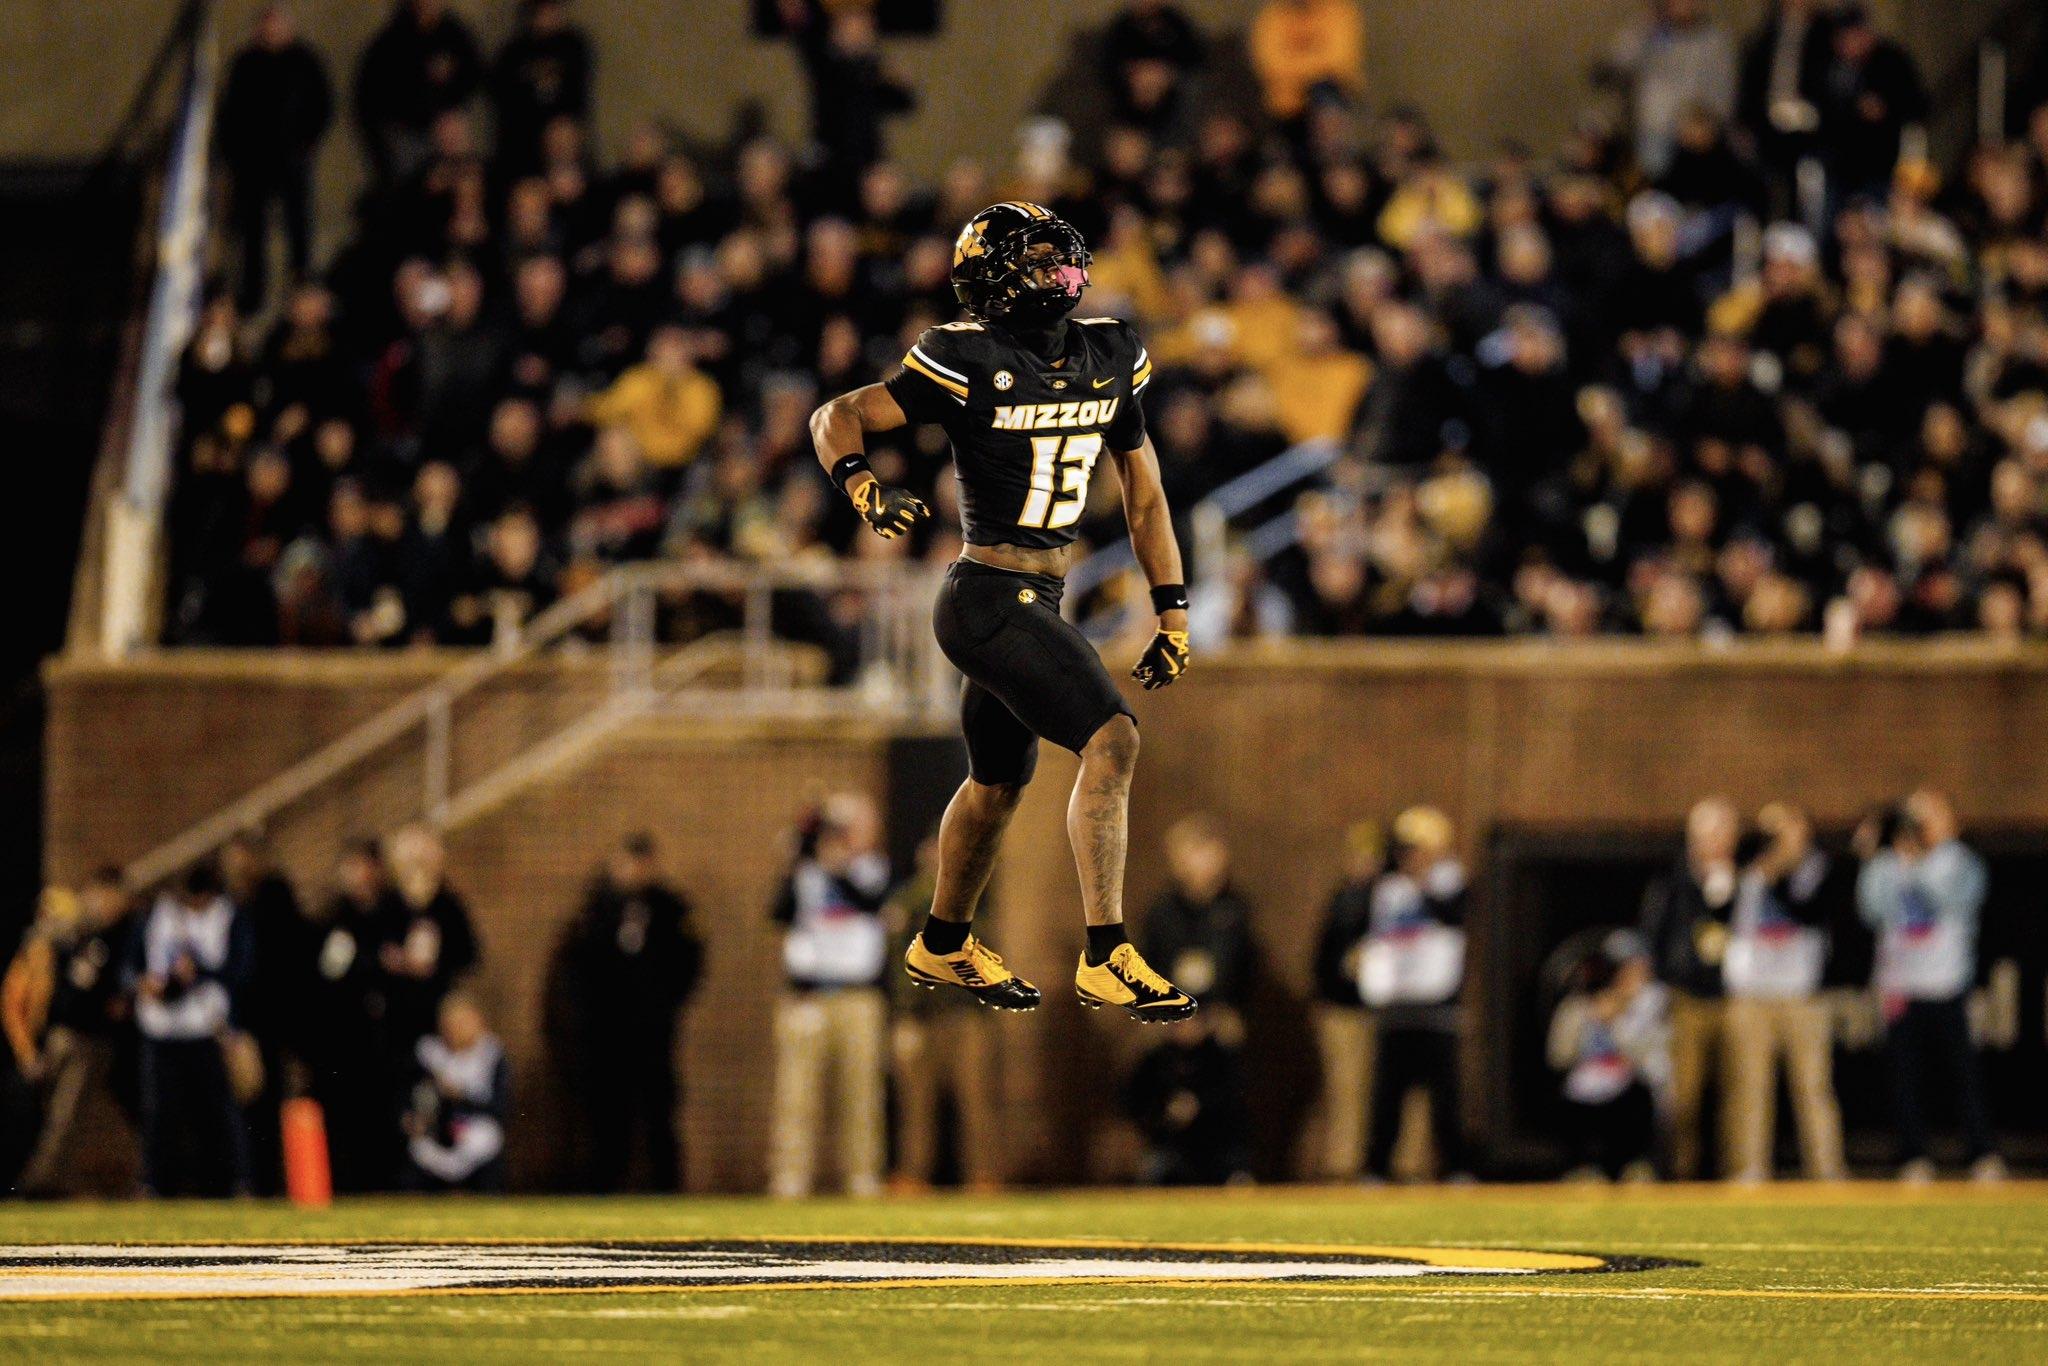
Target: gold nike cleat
(1127,980)
(976,969)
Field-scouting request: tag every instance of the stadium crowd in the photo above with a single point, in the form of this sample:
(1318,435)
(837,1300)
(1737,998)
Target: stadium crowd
(209,1010)
(1737,358)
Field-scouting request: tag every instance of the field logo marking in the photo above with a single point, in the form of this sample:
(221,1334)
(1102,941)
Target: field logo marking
(111,1271)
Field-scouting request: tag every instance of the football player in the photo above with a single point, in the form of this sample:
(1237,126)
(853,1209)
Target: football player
(1032,400)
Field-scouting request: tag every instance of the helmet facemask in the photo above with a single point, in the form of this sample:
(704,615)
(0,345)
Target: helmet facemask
(1050,273)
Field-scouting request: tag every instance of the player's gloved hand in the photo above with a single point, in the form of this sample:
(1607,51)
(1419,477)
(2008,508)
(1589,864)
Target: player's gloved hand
(891,512)
(1164,660)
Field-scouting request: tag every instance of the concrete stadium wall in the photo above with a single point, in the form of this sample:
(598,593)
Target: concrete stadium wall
(1287,745)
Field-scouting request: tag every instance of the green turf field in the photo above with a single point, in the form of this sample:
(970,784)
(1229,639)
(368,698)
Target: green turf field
(1787,1273)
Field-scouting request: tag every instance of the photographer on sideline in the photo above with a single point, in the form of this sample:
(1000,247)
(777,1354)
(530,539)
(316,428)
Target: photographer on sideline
(832,1018)
(1922,891)
(1685,922)
(187,964)
(1777,947)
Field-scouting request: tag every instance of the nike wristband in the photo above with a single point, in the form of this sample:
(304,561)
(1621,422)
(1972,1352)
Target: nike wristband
(848,467)
(1170,597)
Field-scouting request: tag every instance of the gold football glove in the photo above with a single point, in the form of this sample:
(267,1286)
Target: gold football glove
(1164,660)
(891,512)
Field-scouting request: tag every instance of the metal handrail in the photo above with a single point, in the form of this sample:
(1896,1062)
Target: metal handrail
(1210,517)
(1209,522)
(628,596)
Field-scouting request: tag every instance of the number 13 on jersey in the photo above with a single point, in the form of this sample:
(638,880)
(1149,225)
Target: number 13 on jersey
(1059,464)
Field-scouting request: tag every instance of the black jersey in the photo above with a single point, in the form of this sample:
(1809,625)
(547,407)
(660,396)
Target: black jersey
(1026,430)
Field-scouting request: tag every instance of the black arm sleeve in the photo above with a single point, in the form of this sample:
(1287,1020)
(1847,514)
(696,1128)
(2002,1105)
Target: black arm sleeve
(921,400)
(932,384)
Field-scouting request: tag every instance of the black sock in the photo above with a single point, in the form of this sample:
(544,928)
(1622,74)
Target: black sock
(944,936)
(1102,942)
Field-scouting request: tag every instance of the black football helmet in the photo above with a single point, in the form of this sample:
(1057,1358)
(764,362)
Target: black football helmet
(1021,264)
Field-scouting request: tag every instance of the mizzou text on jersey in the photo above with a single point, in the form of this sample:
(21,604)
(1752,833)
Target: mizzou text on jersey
(1027,428)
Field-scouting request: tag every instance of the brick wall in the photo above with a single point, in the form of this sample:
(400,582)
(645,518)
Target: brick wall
(1288,746)
(719,799)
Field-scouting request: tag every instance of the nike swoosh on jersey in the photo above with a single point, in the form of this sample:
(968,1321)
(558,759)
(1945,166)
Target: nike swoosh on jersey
(1103,383)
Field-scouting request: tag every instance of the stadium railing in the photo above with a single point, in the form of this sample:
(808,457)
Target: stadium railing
(1211,525)
(752,671)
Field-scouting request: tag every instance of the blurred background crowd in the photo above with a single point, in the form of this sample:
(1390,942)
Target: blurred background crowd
(1738,358)
(1761,953)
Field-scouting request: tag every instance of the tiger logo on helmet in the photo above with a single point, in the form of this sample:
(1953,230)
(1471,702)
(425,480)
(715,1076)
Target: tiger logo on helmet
(1020,263)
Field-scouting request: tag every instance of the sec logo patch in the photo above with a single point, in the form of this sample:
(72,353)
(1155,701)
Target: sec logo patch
(1027,596)
(1004,379)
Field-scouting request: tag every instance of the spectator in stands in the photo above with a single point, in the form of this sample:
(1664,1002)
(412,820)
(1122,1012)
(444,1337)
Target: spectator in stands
(62,1005)
(541,74)
(274,112)
(187,964)
(1525,408)
(347,1027)
(1922,890)
(619,511)
(1610,1037)
(833,1016)
(1411,970)
(424,940)
(1871,95)
(455,1124)
(1149,52)
(435,565)
(1229,245)
(945,1048)
(521,464)
(1317,390)
(1786,899)
(1414,399)
(1686,916)
(631,960)
(669,405)
(442,382)
(1308,50)
(1675,60)
(1343,1027)
(422,64)
(1784,79)
(517,581)
(853,91)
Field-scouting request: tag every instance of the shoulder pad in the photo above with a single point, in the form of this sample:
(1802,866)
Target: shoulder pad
(937,354)
(1111,321)
(952,339)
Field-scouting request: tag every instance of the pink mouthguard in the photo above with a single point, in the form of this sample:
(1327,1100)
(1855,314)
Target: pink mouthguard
(1071,278)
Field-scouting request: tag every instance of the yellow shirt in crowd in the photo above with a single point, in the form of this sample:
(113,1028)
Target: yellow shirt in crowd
(1297,45)
(1315,397)
(671,413)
